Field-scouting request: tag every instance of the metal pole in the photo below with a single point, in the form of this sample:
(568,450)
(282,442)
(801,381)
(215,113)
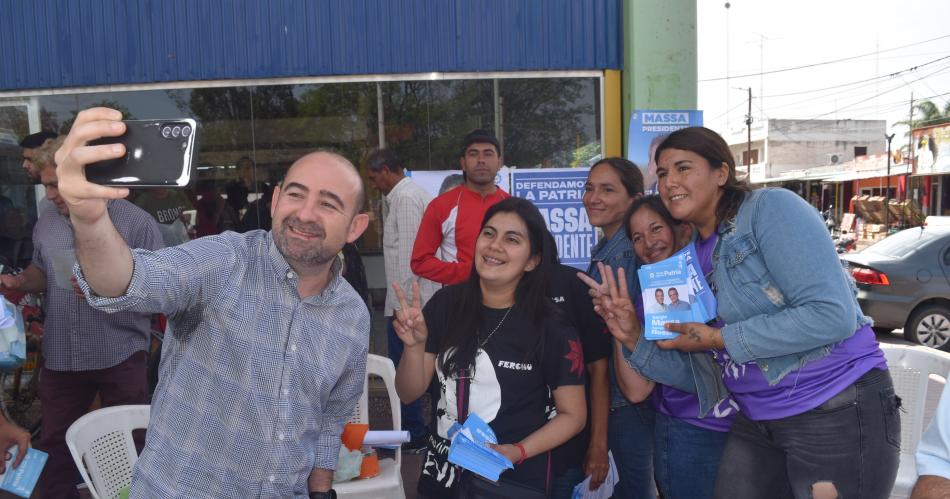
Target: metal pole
(748,124)
(499,127)
(380,116)
(728,86)
(887,192)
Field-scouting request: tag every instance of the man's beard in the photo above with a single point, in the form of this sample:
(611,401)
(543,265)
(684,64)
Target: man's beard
(295,250)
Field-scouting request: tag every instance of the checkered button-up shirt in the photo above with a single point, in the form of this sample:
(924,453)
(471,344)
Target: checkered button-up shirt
(77,337)
(256,383)
(402,213)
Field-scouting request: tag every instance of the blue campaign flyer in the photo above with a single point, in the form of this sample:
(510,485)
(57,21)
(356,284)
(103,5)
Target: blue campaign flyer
(470,449)
(22,480)
(667,296)
(703,300)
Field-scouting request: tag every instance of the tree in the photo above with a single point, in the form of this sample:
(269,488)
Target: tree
(926,113)
(126,114)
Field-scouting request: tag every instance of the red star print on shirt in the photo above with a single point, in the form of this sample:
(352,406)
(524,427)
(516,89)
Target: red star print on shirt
(576,356)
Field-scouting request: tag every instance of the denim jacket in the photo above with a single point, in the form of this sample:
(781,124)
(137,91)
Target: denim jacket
(616,252)
(781,290)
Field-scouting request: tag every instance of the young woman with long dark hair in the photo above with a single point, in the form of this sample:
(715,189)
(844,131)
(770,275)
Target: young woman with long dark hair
(612,186)
(684,443)
(500,329)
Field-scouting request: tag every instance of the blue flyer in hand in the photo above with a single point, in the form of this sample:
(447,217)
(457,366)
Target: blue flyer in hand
(22,480)
(702,301)
(470,449)
(667,296)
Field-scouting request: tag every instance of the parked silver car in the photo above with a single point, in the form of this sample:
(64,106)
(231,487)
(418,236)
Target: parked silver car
(904,282)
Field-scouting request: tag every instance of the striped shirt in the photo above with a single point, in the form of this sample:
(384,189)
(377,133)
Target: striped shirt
(256,383)
(402,213)
(77,337)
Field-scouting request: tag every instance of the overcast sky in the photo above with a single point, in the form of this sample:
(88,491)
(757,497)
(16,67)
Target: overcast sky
(804,32)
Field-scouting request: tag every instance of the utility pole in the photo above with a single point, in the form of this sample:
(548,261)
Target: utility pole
(728,86)
(910,133)
(887,192)
(748,124)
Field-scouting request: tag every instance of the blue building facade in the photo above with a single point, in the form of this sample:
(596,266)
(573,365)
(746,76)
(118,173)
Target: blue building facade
(54,44)
(272,80)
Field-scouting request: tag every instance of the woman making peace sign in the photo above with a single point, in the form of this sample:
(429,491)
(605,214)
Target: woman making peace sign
(501,330)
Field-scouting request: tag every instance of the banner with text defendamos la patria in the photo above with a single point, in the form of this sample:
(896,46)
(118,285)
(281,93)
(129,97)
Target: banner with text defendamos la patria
(558,193)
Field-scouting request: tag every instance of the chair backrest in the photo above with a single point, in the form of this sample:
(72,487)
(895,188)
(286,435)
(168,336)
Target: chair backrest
(911,368)
(102,447)
(383,367)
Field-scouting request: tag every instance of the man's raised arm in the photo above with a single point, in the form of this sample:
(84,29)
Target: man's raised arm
(103,255)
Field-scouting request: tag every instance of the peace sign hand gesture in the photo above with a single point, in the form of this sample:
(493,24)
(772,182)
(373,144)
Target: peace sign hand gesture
(408,321)
(612,302)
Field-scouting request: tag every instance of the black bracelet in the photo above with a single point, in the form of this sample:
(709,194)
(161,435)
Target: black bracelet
(330,494)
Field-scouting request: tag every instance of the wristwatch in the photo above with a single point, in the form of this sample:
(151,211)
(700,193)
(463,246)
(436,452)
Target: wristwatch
(330,494)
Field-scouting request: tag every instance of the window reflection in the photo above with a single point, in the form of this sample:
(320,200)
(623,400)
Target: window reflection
(250,135)
(17,195)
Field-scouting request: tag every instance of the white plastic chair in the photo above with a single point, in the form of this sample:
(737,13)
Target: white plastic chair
(388,484)
(102,447)
(911,368)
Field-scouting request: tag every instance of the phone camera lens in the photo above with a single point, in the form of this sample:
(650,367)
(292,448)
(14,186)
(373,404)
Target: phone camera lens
(166,131)
(176,131)
(185,131)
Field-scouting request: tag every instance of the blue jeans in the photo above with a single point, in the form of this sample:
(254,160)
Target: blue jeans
(684,450)
(411,413)
(562,486)
(630,438)
(852,441)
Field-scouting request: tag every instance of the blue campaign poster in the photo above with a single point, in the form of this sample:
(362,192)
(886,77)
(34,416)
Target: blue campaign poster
(558,194)
(647,129)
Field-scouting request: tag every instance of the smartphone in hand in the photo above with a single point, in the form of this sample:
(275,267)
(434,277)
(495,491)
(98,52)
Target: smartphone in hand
(158,153)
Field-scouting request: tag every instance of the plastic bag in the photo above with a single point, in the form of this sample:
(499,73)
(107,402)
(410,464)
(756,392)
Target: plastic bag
(348,465)
(12,336)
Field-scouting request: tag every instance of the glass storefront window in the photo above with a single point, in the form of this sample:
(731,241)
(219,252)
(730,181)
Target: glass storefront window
(250,135)
(17,195)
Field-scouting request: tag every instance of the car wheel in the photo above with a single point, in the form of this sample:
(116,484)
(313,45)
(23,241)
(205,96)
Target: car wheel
(930,326)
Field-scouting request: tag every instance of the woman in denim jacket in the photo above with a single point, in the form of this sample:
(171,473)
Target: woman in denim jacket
(611,187)
(818,410)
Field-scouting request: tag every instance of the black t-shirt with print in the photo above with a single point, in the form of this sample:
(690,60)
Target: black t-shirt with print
(570,295)
(511,385)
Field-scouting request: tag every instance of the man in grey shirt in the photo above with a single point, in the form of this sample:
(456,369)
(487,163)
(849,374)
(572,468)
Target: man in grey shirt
(404,202)
(267,358)
(86,351)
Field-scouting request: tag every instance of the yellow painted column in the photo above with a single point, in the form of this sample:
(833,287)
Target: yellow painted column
(613,114)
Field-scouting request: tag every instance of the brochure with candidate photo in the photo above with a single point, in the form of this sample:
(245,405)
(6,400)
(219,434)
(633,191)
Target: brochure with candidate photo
(22,480)
(702,301)
(667,296)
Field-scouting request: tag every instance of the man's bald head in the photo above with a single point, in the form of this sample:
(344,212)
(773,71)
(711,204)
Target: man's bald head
(330,163)
(316,210)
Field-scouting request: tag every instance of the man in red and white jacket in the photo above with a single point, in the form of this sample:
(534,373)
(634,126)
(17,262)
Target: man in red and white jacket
(445,243)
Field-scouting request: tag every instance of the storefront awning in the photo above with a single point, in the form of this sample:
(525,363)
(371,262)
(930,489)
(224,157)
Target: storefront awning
(902,169)
(797,176)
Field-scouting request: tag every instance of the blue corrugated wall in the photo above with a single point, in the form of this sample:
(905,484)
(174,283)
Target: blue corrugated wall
(68,43)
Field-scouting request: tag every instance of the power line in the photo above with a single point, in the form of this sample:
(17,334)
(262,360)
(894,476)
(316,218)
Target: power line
(737,106)
(868,80)
(851,91)
(891,89)
(824,62)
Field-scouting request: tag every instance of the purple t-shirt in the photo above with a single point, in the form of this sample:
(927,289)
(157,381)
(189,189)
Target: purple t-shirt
(684,405)
(802,389)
